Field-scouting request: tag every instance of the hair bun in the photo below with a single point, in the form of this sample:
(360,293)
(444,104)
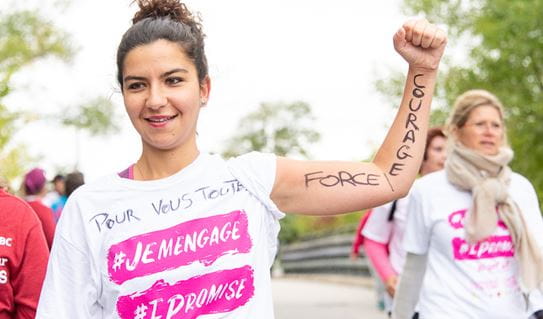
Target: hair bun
(172,9)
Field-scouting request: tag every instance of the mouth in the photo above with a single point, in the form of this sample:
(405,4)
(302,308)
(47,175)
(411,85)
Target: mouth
(160,120)
(487,143)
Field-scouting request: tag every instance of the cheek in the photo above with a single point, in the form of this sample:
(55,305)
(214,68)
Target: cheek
(466,137)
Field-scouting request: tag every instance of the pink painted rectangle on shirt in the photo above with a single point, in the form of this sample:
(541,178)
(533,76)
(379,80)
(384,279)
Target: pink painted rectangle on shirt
(492,247)
(203,240)
(217,292)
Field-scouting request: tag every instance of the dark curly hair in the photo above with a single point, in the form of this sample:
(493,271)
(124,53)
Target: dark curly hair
(167,20)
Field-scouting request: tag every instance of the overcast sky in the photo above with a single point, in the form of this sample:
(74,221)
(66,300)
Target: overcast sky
(325,53)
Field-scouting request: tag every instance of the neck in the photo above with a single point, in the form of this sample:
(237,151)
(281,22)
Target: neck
(156,164)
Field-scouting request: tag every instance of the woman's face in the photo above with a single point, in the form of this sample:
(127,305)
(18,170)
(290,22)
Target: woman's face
(435,155)
(483,131)
(162,95)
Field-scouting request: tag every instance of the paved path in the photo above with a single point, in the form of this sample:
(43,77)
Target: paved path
(300,298)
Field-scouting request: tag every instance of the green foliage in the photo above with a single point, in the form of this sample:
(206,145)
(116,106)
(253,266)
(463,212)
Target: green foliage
(504,43)
(296,227)
(25,38)
(95,117)
(280,128)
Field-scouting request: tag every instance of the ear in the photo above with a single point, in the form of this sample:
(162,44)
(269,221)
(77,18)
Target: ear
(205,88)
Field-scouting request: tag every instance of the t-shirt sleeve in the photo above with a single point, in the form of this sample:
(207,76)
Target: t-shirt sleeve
(378,228)
(418,226)
(70,289)
(256,171)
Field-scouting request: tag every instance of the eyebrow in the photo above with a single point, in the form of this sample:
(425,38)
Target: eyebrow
(163,75)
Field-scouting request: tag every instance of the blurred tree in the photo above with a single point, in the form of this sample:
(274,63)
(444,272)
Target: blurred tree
(285,129)
(279,128)
(25,38)
(93,116)
(503,43)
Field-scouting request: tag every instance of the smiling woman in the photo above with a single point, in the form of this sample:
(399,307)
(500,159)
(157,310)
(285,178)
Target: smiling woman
(162,70)
(163,97)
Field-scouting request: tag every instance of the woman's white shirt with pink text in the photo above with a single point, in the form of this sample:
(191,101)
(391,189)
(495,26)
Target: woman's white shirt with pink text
(197,244)
(464,280)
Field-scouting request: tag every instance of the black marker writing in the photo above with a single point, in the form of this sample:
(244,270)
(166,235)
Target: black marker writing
(415,104)
(342,178)
(109,221)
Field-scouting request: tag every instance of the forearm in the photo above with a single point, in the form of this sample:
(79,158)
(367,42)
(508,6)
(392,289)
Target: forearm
(401,153)
(377,253)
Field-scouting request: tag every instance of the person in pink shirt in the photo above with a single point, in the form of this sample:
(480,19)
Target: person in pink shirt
(383,229)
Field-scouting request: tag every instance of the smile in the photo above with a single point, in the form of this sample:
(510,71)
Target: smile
(160,119)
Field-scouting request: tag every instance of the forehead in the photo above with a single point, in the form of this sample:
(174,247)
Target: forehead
(485,112)
(158,56)
(437,140)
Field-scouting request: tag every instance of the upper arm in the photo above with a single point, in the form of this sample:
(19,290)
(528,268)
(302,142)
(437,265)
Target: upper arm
(330,187)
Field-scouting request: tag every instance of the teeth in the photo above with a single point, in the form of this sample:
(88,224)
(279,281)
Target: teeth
(159,120)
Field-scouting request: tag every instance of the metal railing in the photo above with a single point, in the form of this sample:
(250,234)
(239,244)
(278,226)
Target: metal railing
(324,255)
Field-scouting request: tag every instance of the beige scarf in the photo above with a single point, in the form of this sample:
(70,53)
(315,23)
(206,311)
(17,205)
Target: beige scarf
(488,177)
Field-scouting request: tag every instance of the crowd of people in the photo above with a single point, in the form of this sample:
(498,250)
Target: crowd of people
(184,234)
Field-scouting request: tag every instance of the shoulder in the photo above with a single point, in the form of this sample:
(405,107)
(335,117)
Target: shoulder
(521,188)
(16,210)
(253,157)
(518,180)
(431,182)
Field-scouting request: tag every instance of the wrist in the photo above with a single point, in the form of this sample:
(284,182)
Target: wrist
(424,70)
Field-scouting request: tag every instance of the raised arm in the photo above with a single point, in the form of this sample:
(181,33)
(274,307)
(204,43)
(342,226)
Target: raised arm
(325,188)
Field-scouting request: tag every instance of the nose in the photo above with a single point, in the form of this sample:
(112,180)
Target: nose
(156,98)
(489,129)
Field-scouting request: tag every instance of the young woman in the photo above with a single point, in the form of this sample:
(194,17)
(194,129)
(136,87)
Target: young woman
(183,234)
(476,223)
(384,229)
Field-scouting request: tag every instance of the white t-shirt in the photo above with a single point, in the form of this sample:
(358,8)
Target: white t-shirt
(378,228)
(462,280)
(199,243)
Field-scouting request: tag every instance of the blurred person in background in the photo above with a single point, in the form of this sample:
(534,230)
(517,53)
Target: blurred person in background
(381,230)
(473,233)
(58,190)
(73,181)
(34,189)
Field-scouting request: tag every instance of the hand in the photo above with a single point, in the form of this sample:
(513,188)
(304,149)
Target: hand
(390,285)
(420,43)
(353,256)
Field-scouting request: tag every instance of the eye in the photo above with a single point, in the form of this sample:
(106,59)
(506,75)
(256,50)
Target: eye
(135,86)
(496,126)
(174,80)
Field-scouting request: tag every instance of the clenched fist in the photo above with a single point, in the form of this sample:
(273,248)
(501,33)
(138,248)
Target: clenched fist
(420,43)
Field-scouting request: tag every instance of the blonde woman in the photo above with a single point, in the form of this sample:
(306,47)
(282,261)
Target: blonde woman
(473,226)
